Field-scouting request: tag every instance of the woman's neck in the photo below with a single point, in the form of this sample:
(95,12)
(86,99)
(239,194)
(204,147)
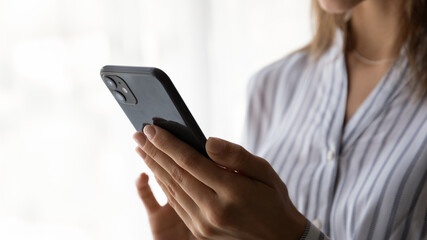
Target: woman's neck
(374,29)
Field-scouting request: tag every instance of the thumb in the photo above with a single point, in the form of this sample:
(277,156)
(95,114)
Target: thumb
(146,195)
(235,157)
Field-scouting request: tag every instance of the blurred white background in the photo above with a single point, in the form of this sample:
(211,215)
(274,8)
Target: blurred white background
(67,160)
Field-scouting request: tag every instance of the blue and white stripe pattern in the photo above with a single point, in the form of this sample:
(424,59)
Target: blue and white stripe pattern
(366,180)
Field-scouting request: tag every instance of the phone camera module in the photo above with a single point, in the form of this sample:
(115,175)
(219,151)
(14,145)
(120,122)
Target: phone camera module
(119,96)
(110,83)
(120,89)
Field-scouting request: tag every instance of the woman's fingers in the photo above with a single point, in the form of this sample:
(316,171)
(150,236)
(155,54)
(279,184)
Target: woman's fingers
(235,157)
(186,219)
(146,195)
(182,154)
(170,185)
(199,192)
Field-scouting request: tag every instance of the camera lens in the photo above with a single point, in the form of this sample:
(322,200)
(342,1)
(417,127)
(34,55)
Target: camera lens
(110,83)
(119,97)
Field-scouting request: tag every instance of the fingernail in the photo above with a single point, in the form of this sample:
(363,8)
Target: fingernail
(215,145)
(149,131)
(140,139)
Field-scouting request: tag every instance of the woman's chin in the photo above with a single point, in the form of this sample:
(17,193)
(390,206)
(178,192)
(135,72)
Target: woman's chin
(338,6)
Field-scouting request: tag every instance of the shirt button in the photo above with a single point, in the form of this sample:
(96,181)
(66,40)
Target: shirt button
(317,223)
(331,155)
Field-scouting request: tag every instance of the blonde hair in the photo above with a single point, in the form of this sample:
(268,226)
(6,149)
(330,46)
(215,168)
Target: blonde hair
(412,36)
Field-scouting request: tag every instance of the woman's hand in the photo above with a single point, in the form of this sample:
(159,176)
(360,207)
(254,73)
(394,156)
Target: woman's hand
(165,223)
(216,202)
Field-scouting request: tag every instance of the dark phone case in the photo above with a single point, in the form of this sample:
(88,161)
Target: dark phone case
(157,102)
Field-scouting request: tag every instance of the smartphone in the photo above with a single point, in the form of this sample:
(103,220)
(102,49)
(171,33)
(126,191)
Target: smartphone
(148,96)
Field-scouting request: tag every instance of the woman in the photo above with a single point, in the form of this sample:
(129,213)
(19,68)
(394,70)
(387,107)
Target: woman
(343,123)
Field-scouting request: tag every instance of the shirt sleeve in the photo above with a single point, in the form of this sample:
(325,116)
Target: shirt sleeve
(313,233)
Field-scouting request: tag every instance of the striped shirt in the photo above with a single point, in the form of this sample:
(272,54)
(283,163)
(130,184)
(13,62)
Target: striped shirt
(364,180)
